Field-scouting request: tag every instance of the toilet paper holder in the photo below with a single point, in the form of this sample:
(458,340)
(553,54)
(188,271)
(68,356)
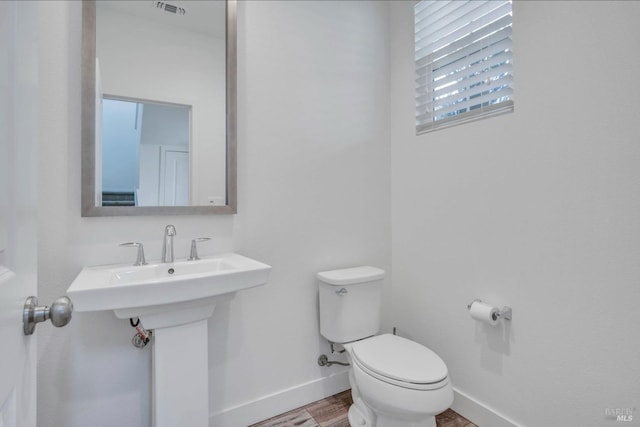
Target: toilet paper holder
(505,313)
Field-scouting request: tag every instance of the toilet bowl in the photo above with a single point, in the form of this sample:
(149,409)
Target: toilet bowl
(395,382)
(402,382)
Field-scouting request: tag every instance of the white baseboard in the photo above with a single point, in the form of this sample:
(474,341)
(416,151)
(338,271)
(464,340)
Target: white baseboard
(283,401)
(479,413)
(280,402)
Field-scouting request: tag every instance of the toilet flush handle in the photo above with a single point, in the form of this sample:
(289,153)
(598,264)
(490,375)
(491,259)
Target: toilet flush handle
(342,292)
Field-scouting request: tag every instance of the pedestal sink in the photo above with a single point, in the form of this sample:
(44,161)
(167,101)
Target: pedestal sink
(174,300)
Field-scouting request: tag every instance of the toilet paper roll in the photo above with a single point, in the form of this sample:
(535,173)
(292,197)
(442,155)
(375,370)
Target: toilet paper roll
(484,312)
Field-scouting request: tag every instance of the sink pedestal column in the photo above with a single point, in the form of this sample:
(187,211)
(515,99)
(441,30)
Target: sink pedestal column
(181,375)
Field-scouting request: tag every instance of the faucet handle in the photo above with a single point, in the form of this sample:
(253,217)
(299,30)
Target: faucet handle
(194,250)
(140,258)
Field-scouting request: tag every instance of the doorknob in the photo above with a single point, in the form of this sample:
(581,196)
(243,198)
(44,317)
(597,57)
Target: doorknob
(59,313)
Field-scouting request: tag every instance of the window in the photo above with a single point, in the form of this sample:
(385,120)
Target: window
(464,65)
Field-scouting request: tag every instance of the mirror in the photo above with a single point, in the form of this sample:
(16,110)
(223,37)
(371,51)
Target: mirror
(158,107)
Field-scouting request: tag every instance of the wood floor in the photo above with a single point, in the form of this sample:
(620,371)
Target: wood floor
(332,412)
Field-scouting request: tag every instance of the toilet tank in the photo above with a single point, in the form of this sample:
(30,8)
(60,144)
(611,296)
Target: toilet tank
(350,303)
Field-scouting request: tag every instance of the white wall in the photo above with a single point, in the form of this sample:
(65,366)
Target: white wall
(165,125)
(538,210)
(314,194)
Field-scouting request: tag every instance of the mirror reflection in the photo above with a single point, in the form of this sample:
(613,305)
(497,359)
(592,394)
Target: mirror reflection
(161,106)
(145,153)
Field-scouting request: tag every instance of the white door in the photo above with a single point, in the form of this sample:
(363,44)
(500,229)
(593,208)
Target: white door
(174,176)
(18,133)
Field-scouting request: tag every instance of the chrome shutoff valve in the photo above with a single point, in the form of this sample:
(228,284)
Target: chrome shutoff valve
(142,336)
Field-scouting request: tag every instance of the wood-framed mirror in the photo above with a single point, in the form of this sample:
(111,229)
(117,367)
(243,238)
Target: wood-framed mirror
(159,85)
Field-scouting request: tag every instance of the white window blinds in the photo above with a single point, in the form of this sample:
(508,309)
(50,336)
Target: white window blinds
(464,66)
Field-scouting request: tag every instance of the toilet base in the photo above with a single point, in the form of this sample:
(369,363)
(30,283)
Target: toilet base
(357,418)
(382,421)
(359,414)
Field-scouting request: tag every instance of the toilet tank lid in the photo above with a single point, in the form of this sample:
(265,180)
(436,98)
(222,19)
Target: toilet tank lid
(350,276)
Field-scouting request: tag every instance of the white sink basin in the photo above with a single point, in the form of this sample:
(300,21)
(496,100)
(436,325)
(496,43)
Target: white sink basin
(156,288)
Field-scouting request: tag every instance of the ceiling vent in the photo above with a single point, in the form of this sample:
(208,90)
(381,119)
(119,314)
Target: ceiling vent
(171,8)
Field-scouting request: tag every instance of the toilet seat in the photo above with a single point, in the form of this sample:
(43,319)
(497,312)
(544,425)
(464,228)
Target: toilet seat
(401,362)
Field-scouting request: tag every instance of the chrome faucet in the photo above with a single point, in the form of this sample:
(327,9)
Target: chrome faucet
(167,245)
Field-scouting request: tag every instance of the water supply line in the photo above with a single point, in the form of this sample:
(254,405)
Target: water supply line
(142,337)
(323,360)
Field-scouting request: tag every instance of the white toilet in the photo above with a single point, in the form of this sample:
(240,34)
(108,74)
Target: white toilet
(395,382)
